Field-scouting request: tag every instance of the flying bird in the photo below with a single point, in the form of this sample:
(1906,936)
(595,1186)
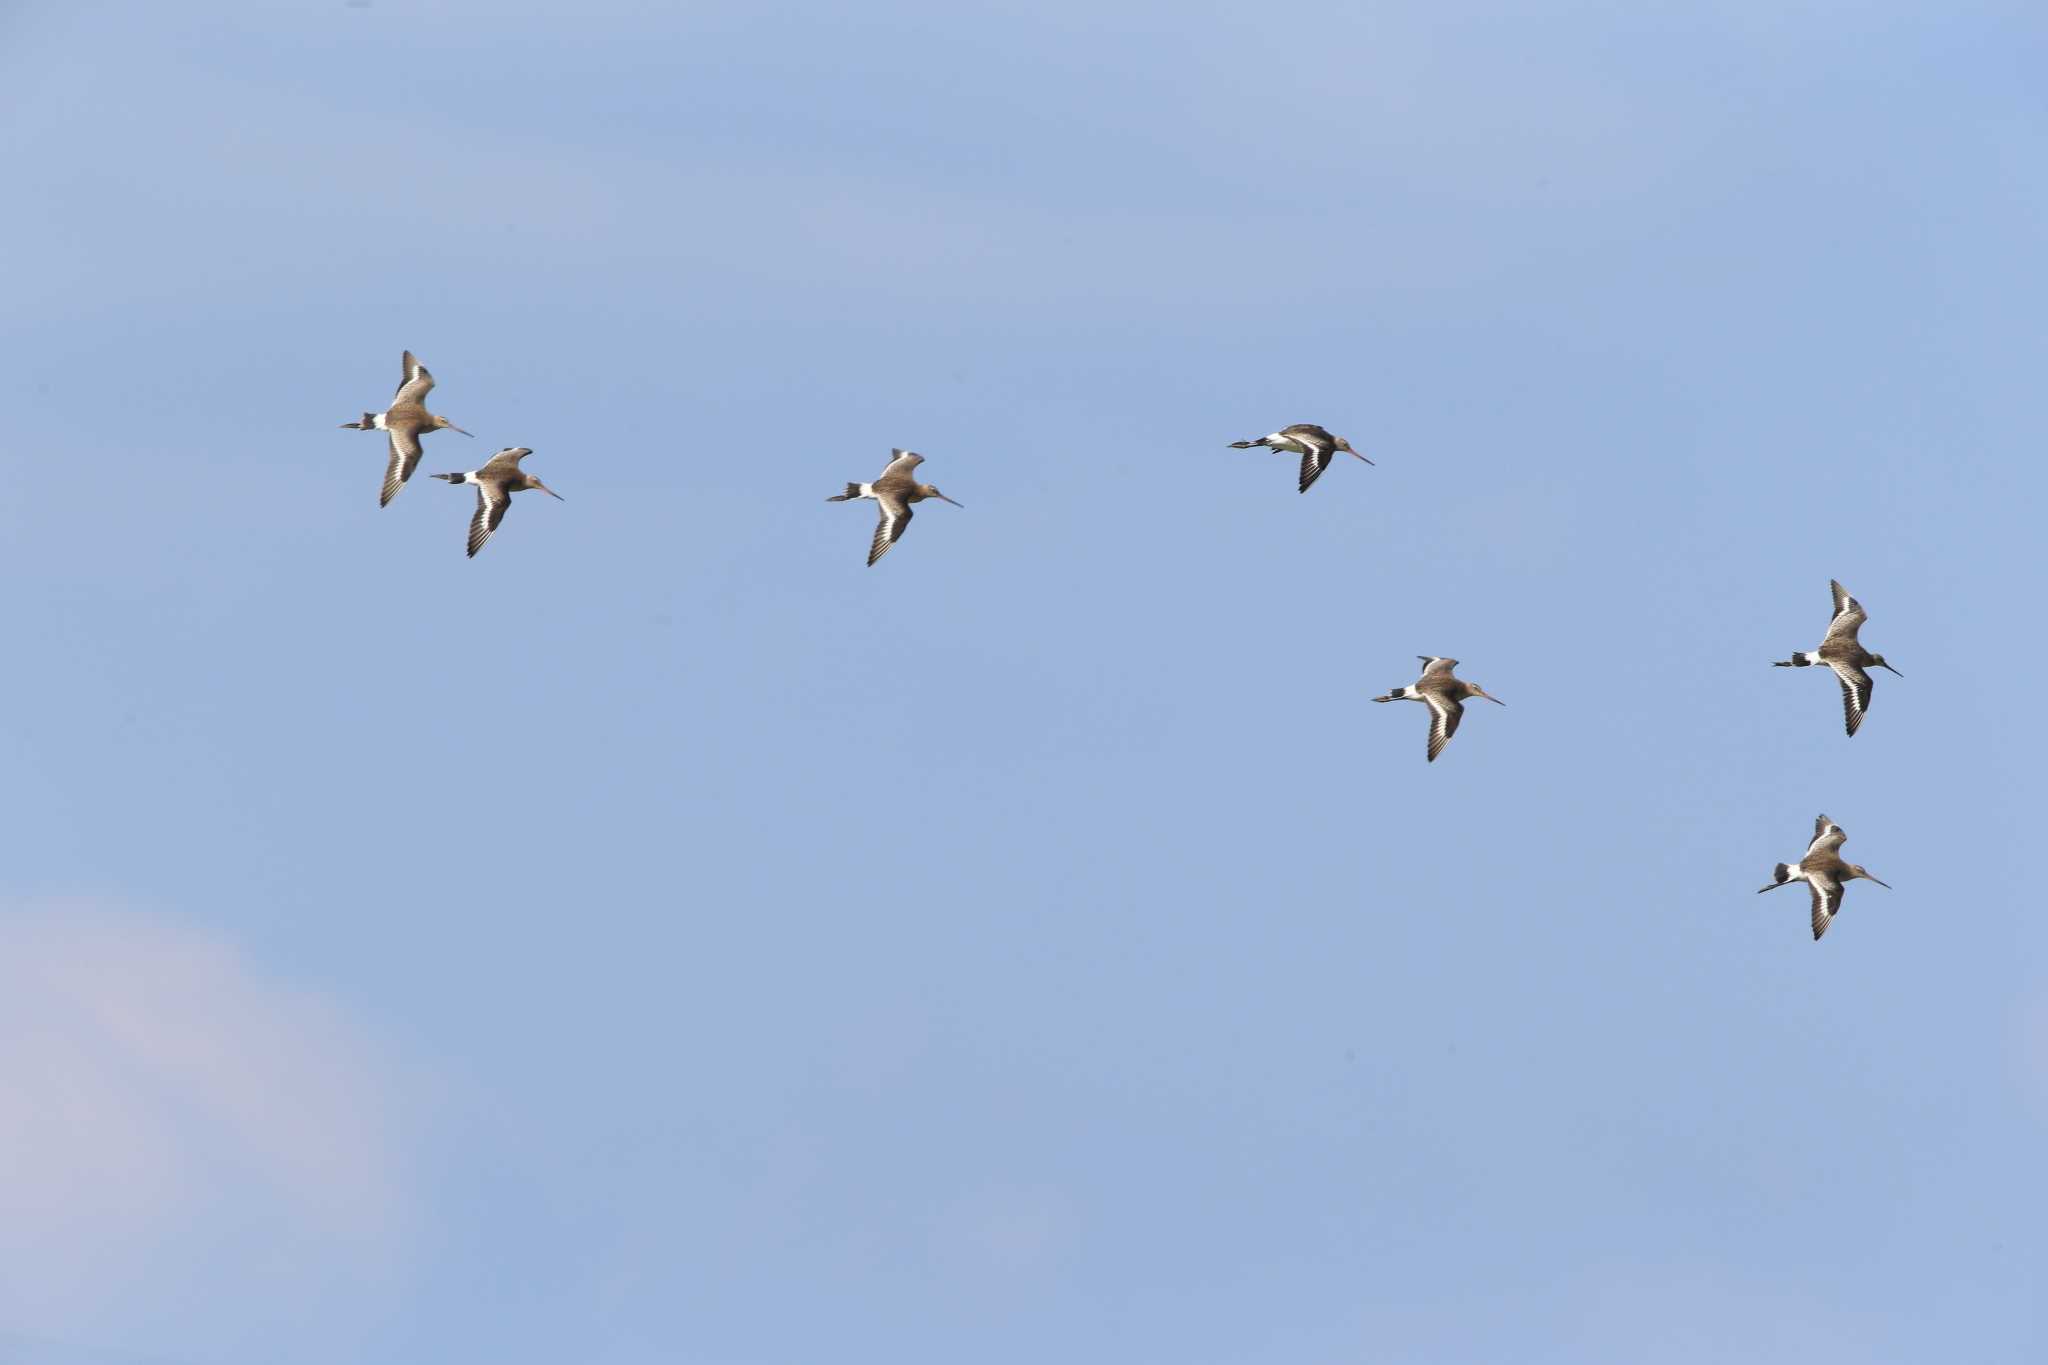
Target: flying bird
(1445,697)
(1823,871)
(893,490)
(407,419)
(1845,654)
(1316,447)
(496,482)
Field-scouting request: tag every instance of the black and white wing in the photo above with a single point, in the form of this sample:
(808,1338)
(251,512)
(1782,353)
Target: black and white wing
(415,385)
(1827,899)
(1856,689)
(1314,460)
(895,515)
(405,458)
(1444,715)
(1849,617)
(492,499)
(1827,836)
(1435,667)
(901,462)
(1308,433)
(504,463)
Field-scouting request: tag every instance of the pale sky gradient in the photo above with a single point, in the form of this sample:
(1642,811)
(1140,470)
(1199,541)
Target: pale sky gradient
(664,939)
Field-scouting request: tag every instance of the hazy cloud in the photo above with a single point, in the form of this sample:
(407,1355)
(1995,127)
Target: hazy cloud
(181,1134)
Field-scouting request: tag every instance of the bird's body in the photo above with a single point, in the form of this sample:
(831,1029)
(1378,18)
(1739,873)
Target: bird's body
(1843,653)
(405,421)
(1444,695)
(893,490)
(1823,871)
(496,482)
(1316,446)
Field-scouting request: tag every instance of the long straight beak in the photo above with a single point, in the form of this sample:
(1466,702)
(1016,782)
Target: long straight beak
(1868,878)
(549,491)
(470,434)
(1361,457)
(1495,700)
(1889,669)
(943,498)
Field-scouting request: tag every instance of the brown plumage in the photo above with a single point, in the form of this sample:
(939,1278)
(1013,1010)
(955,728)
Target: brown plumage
(406,420)
(496,482)
(1445,697)
(894,489)
(1316,447)
(1843,653)
(1824,873)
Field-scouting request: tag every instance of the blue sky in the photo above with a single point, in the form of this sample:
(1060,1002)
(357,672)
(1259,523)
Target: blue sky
(664,939)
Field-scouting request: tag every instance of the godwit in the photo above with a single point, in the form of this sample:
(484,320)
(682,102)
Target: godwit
(1822,869)
(1444,695)
(407,419)
(894,489)
(496,482)
(1842,652)
(1316,447)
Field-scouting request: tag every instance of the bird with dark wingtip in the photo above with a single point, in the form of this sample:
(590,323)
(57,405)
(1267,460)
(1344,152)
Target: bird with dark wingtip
(1445,697)
(893,490)
(406,420)
(1842,652)
(496,482)
(1824,873)
(1316,447)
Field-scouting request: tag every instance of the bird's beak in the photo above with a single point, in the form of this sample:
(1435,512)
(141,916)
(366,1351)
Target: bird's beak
(943,498)
(549,491)
(1361,457)
(1495,700)
(470,434)
(1868,878)
(1889,669)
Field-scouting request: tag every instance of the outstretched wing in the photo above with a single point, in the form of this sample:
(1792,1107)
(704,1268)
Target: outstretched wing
(491,501)
(1435,667)
(405,458)
(1849,616)
(1444,715)
(1827,837)
(1308,433)
(504,463)
(1827,899)
(416,384)
(1857,687)
(1313,462)
(900,464)
(889,526)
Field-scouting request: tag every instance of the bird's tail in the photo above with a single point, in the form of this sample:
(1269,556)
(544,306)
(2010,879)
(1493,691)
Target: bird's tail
(369,423)
(1797,661)
(451,478)
(852,491)
(1247,445)
(1780,874)
(1398,694)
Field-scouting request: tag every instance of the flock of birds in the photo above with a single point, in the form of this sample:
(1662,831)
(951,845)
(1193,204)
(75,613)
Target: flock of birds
(896,489)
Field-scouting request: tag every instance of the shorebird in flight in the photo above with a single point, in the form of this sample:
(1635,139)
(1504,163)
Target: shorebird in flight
(1316,447)
(1824,873)
(407,419)
(496,482)
(894,489)
(1444,695)
(1842,652)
